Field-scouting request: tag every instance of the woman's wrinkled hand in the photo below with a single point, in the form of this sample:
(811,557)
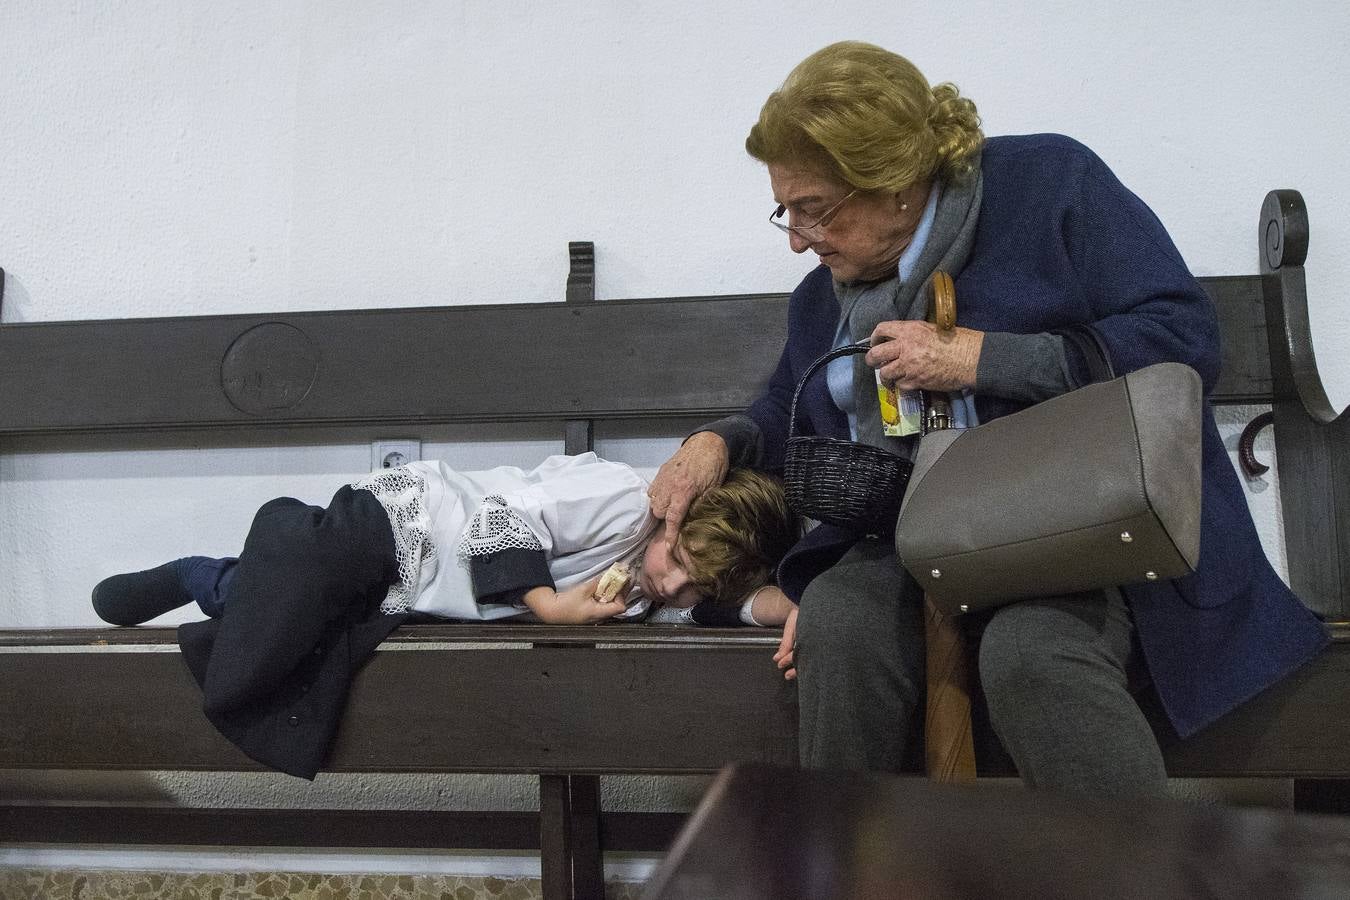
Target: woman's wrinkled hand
(700,463)
(914,356)
(787,647)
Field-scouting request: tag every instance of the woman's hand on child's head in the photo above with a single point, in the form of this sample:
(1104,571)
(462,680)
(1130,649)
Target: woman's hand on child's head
(700,463)
(787,647)
(575,606)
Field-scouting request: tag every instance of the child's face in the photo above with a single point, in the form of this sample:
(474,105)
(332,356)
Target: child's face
(665,576)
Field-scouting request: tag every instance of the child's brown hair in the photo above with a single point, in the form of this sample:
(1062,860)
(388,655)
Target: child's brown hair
(735,534)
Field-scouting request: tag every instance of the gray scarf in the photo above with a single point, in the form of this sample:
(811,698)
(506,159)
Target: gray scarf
(868,305)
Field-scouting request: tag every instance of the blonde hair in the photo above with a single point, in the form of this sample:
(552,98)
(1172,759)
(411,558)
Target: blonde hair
(735,534)
(864,116)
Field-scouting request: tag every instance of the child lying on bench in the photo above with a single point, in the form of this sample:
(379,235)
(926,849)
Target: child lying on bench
(314,591)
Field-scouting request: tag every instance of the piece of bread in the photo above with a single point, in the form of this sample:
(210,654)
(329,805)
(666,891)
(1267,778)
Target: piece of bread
(614,583)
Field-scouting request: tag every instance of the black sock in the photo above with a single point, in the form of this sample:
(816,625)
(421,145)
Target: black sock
(137,597)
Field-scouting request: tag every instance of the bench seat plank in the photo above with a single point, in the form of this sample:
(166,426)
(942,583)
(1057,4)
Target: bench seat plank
(426,633)
(432,709)
(430,703)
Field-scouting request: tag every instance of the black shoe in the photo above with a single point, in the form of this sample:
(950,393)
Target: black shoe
(137,597)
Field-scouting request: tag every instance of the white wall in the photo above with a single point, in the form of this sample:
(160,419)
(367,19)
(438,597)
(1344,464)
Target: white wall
(168,158)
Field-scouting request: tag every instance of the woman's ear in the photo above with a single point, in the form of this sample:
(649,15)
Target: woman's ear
(915,194)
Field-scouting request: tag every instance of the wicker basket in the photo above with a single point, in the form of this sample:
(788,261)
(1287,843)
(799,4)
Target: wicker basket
(852,485)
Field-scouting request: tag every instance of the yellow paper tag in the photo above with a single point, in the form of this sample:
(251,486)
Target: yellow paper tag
(902,413)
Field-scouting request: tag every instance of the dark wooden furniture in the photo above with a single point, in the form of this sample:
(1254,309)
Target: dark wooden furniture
(567,703)
(768,833)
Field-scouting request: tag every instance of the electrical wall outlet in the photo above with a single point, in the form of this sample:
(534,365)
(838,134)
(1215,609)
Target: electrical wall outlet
(390,453)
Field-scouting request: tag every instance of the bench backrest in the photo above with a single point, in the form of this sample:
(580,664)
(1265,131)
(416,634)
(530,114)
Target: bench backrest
(583,361)
(518,362)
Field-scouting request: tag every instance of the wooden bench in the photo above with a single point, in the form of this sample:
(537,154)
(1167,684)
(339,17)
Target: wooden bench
(566,703)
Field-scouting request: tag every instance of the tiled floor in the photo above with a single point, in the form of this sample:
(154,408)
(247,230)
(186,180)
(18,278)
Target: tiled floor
(34,884)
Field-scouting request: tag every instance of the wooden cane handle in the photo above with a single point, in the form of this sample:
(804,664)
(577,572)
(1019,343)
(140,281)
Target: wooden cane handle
(942,312)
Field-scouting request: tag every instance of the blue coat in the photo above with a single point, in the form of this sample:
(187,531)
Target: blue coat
(1060,241)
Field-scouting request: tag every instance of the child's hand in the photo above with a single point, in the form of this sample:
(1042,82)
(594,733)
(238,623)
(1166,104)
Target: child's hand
(575,606)
(787,646)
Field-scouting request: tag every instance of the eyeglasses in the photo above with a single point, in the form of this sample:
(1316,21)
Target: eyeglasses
(816,230)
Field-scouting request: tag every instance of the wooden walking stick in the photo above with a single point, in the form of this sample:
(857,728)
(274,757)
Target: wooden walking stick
(948,743)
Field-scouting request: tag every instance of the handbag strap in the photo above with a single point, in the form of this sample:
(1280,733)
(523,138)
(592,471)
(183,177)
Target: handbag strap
(1090,346)
(846,350)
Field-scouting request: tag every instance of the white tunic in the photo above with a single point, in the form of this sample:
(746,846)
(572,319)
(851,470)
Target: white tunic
(585,513)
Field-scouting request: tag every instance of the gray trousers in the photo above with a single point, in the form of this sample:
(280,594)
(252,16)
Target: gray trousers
(1056,675)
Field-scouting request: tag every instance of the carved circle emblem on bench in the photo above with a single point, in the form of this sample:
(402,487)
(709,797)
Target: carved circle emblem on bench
(269,368)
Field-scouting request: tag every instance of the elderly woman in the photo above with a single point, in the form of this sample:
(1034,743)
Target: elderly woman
(886,180)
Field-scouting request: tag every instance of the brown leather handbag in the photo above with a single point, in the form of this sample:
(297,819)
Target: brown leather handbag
(1094,488)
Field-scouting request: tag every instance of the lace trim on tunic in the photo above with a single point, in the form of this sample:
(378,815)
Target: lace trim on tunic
(672,615)
(495,527)
(402,493)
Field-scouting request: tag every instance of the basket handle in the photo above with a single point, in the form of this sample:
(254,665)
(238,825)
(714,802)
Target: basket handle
(941,312)
(846,350)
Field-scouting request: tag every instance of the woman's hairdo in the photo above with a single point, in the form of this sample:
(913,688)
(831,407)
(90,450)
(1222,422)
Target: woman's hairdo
(866,117)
